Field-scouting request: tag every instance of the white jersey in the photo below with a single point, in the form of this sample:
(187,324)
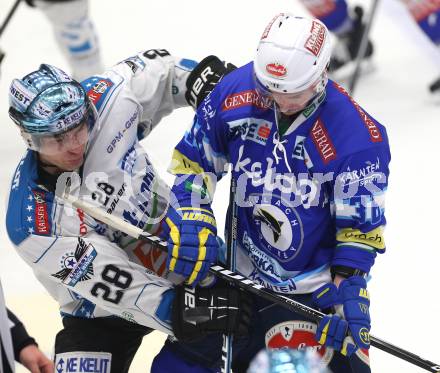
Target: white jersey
(77,259)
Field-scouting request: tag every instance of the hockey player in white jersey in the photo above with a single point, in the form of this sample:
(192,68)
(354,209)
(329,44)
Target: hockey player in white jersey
(93,128)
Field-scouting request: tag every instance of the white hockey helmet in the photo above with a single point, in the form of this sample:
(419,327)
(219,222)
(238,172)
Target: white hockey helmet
(293,54)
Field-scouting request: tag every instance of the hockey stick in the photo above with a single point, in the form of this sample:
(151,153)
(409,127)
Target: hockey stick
(362,49)
(5,23)
(230,263)
(243,282)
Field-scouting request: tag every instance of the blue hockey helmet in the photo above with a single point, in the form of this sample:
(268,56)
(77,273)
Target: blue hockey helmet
(47,103)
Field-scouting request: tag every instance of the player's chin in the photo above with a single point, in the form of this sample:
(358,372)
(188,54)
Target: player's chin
(291,111)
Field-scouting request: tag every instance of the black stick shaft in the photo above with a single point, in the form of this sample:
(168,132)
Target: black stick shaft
(230,264)
(362,48)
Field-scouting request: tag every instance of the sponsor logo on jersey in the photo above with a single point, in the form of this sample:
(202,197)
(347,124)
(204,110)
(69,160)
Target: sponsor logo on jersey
(97,89)
(372,238)
(276,69)
(323,142)
(128,160)
(151,258)
(16,179)
(300,152)
(254,129)
(363,175)
(83,362)
(42,225)
(118,137)
(77,266)
(297,335)
(82,225)
(375,135)
(245,98)
(316,39)
(269,26)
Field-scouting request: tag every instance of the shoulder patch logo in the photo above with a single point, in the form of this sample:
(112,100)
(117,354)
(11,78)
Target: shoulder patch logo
(97,89)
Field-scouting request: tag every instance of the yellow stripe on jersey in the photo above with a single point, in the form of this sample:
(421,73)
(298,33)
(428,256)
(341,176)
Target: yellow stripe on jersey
(372,238)
(181,164)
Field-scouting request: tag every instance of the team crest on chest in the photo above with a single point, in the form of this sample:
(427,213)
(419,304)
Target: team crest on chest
(279,227)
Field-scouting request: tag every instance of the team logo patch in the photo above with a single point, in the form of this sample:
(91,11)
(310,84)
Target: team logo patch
(280,228)
(78,265)
(97,89)
(297,335)
(83,362)
(276,69)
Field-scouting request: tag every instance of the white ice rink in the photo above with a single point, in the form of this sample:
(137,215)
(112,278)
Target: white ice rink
(405,285)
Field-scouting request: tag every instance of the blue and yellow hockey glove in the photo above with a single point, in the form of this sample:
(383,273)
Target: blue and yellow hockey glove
(353,296)
(192,245)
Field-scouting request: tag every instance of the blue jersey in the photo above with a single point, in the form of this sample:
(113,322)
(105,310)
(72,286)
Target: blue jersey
(310,193)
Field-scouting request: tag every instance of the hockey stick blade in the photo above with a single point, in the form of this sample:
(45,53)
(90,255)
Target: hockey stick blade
(243,282)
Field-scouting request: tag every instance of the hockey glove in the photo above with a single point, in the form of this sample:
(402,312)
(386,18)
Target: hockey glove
(192,245)
(198,311)
(353,296)
(204,78)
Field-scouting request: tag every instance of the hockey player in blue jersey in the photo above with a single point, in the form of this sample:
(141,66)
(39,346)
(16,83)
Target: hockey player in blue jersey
(311,167)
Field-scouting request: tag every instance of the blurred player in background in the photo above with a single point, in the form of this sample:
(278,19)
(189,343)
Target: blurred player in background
(348,25)
(74,33)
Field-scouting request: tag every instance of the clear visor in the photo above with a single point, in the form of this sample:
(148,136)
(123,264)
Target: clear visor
(291,103)
(76,137)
